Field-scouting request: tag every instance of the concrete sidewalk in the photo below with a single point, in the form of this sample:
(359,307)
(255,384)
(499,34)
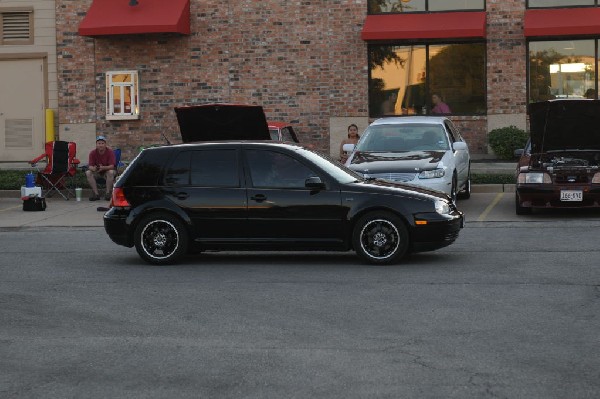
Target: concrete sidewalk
(58,213)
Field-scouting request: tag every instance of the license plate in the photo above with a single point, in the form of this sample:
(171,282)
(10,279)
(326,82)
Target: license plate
(571,195)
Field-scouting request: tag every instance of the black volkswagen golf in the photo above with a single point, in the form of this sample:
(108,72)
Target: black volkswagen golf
(240,191)
(261,195)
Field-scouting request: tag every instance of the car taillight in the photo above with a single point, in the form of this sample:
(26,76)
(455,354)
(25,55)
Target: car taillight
(596,178)
(118,198)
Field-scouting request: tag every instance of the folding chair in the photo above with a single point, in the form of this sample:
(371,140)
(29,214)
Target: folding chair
(61,167)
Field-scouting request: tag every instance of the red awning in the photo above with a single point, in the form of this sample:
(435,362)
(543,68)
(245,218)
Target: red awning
(566,21)
(117,17)
(443,25)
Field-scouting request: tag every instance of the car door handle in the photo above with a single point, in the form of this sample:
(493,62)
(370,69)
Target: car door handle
(182,195)
(258,197)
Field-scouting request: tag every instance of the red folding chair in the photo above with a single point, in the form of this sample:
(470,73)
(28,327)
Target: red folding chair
(61,167)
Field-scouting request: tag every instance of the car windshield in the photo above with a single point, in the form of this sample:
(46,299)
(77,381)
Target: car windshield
(332,167)
(404,137)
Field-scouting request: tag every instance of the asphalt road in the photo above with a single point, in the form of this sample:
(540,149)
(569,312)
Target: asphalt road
(509,311)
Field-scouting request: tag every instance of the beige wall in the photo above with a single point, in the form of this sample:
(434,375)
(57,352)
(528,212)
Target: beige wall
(338,130)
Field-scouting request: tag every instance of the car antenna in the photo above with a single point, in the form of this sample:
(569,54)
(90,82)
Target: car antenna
(166,139)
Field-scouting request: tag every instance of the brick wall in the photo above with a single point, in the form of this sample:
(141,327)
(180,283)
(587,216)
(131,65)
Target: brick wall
(302,60)
(506,49)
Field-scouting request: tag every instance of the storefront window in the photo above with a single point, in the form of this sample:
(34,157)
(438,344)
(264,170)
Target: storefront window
(395,6)
(122,95)
(559,3)
(562,69)
(403,78)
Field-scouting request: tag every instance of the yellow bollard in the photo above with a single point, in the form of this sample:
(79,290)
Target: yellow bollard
(50,133)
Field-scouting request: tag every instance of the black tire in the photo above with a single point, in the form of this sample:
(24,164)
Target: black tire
(466,191)
(380,238)
(521,210)
(161,239)
(454,189)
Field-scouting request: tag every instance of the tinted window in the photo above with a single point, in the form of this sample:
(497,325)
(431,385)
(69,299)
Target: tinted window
(178,173)
(403,79)
(562,69)
(560,3)
(395,6)
(270,169)
(215,168)
(147,167)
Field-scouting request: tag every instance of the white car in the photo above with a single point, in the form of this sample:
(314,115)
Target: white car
(426,151)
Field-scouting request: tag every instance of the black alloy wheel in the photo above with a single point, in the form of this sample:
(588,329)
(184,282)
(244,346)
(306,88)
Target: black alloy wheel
(380,238)
(160,239)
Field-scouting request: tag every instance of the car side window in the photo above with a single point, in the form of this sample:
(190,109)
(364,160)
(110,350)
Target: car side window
(215,168)
(271,169)
(206,168)
(178,173)
(286,135)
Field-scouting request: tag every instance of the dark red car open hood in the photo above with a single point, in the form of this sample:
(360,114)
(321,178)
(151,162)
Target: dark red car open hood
(558,125)
(219,122)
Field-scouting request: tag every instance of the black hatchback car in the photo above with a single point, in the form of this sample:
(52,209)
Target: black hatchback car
(261,195)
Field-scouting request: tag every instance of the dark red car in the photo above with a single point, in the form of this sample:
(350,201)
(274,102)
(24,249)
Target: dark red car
(560,165)
(282,131)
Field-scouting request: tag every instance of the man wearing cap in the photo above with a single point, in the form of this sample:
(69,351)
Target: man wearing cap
(101,163)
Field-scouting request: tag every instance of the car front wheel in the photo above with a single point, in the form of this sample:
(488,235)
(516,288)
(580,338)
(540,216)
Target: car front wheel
(380,238)
(521,210)
(466,192)
(160,239)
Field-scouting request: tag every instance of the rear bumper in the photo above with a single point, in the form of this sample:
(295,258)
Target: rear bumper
(117,228)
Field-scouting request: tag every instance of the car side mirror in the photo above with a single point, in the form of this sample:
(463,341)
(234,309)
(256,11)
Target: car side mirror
(348,147)
(459,145)
(314,183)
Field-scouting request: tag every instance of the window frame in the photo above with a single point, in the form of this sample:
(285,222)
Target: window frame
(134,104)
(17,10)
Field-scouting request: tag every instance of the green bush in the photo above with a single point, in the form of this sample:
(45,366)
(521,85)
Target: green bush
(504,141)
(14,179)
(492,178)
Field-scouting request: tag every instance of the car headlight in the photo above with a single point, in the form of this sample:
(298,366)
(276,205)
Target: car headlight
(432,174)
(442,207)
(534,178)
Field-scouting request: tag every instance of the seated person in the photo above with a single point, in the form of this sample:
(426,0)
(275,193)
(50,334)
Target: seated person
(101,163)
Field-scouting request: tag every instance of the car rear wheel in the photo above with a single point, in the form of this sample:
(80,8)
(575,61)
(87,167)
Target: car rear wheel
(521,210)
(160,239)
(380,238)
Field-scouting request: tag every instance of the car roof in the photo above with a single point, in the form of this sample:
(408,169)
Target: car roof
(401,120)
(264,143)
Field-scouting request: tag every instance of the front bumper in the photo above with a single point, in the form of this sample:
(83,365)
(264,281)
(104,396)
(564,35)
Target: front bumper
(548,196)
(438,232)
